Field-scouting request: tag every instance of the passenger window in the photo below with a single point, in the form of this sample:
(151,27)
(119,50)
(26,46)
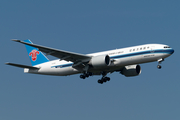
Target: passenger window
(137,49)
(133,49)
(144,48)
(130,50)
(140,48)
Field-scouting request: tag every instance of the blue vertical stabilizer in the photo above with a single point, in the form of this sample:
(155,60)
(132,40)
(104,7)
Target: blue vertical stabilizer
(36,56)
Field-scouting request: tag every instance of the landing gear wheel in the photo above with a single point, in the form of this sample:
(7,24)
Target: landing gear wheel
(82,77)
(100,81)
(87,75)
(90,73)
(159,67)
(104,80)
(107,78)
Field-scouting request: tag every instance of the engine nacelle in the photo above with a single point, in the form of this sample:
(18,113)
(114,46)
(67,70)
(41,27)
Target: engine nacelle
(100,61)
(131,70)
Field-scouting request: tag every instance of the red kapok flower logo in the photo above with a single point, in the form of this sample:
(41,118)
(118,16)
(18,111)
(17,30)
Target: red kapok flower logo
(34,54)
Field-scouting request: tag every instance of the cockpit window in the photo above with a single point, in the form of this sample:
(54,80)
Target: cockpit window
(166,47)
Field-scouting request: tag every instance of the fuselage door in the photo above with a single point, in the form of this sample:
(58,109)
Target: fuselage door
(152,49)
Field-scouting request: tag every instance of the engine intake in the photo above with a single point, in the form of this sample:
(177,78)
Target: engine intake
(100,61)
(131,70)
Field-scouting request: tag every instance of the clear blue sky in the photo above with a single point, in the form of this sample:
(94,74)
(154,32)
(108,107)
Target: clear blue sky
(86,27)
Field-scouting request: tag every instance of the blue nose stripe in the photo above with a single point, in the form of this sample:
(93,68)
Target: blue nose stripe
(172,51)
(169,51)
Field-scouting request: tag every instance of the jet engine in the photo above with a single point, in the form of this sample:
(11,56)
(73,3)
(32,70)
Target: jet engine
(131,70)
(100,61)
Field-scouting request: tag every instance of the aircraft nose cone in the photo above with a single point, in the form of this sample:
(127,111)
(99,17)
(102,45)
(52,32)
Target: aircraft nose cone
(172,51)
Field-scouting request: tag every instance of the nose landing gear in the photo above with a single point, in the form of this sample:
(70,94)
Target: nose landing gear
(159,62)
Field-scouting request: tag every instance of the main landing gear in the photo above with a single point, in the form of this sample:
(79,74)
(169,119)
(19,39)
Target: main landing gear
(159,62)
(104,78)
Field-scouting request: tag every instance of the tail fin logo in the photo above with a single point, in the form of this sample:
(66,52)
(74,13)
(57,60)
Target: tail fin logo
(34,54)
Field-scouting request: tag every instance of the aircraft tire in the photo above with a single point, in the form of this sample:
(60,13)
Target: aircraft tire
(159,67)
(82,77)
(87,75)
(100,81)
(90,73)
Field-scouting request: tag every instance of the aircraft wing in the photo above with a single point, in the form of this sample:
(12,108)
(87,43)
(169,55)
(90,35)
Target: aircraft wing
(61,54)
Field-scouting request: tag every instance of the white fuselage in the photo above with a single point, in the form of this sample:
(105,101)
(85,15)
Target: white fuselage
(119,59)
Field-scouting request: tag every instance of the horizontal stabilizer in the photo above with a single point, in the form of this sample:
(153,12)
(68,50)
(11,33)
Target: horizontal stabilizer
(22,66)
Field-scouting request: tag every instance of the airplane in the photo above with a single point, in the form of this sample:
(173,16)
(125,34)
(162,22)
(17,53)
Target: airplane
(125,61)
